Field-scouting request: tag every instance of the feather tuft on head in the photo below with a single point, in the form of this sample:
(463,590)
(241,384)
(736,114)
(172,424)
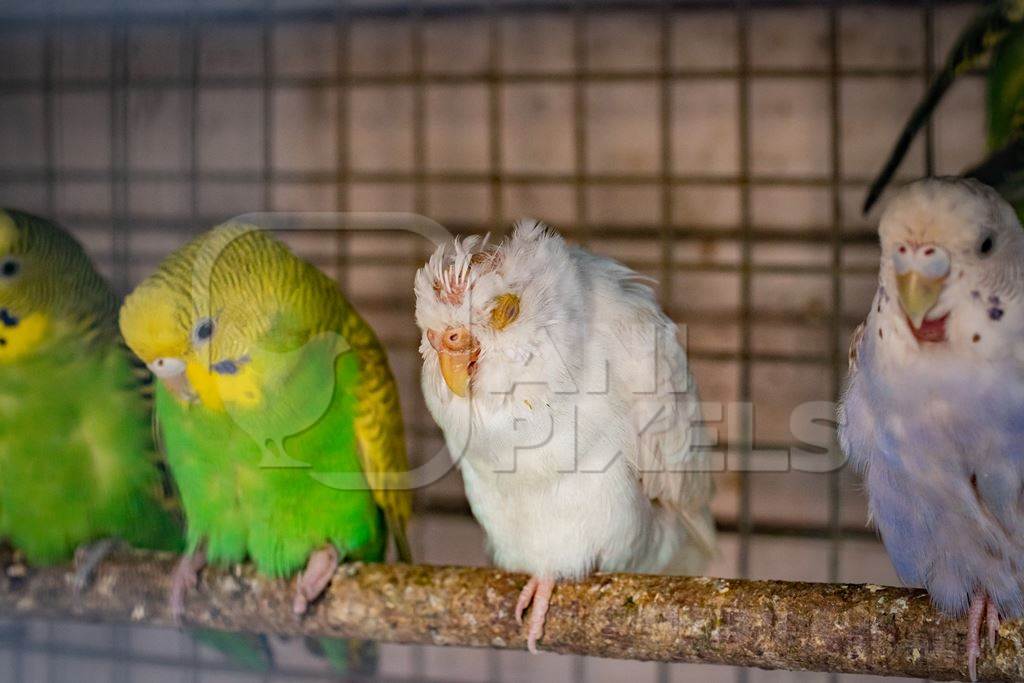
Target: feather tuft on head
(530,229)
(454,267)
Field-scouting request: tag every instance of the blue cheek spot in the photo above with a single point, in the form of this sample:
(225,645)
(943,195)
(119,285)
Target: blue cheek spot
(225,367)
(994,300)
(7,318)
(230,367)
(995,313)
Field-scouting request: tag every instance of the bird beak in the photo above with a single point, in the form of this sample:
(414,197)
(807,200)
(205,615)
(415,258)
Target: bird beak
(171,371)
(457,353)
(180,387)
(918,294)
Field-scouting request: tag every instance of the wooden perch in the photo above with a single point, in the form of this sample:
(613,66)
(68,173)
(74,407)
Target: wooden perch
(768,624)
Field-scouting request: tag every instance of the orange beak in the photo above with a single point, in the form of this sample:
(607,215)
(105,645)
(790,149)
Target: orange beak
(457,352)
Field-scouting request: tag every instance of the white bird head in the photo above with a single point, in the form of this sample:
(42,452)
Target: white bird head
(948,245)
(484,309)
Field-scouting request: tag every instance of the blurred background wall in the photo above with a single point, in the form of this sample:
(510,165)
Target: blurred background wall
(722,149)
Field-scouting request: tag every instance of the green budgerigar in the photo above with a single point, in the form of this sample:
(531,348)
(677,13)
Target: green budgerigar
(77,466)
(276,408)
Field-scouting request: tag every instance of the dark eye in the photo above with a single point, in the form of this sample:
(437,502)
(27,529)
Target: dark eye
(204,330)
(9,268)
(986,246)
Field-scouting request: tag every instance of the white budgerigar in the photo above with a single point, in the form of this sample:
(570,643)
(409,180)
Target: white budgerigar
(934,407)
(565,399)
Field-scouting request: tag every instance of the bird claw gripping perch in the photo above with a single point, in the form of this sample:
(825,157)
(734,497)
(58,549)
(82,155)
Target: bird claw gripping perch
(538,593)
(184,579)
(982,614)
(87,560)
(313,580)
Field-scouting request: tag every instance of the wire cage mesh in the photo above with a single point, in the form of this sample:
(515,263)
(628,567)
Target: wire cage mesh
(722,148)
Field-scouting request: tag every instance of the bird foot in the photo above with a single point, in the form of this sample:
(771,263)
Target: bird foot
(17,569)
(313,580)
(184,579)
(992,617)
(538,592)
(87,560)
(982,612)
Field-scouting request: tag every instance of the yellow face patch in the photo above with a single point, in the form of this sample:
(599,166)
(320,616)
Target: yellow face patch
(20,340)
(239,390)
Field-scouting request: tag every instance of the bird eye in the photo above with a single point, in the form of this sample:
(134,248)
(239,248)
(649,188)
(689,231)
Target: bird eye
(986,246)
(204,330)
(505,311)
(9,268)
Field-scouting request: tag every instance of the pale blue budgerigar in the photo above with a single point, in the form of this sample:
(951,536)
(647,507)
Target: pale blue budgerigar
(933,411)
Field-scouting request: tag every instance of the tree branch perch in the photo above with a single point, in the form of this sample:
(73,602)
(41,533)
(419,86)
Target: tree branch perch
(768,624)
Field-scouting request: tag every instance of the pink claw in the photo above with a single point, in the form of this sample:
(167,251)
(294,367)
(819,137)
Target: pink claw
(313,580)
(982,610)
(538,592)
(184,579)
(992,615)
(525,597)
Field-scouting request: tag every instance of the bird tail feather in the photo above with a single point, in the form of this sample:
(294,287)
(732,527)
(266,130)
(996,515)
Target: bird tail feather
(397,528)
(350,657)
(700,527)
(247,650)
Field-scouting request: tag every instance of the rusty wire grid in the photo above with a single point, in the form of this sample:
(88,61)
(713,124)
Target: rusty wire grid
(139,124)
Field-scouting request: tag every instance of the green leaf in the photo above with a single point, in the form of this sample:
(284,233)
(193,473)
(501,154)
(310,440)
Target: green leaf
(1005,90)
(985,32)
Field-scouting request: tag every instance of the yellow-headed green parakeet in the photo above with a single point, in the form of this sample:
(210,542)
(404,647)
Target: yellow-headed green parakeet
(77,465)
(78,469)
(277,411)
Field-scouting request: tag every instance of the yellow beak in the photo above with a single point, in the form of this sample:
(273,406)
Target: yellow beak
(457,351)
(455,370)
(918,294)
